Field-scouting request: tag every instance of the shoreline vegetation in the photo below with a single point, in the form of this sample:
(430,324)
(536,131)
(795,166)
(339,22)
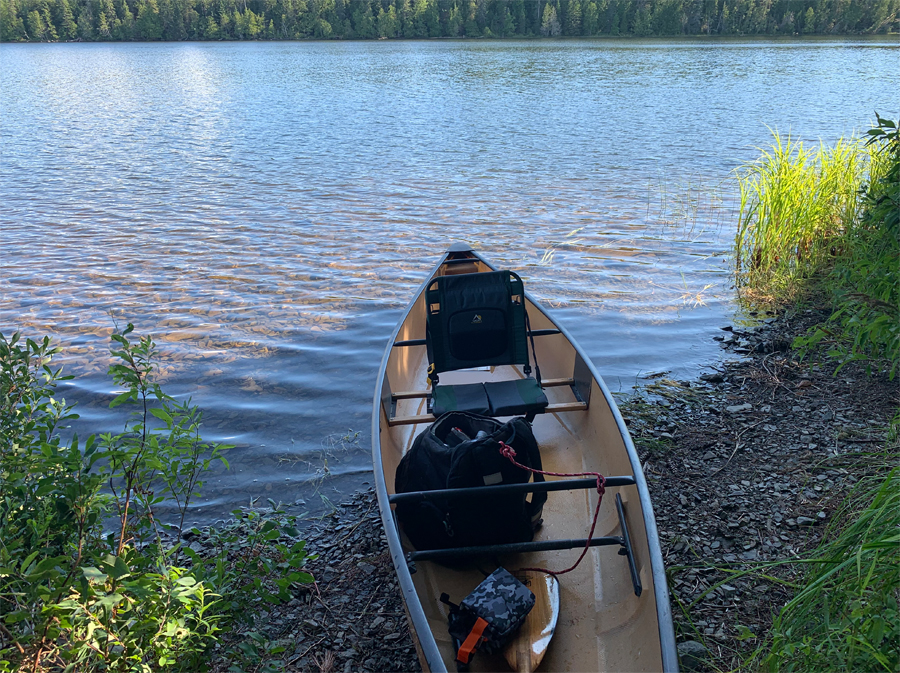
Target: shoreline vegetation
(183,20)
(774,482)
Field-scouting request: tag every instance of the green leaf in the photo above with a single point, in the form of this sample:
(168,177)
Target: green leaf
(119,569)
(93,574)
(162,415)
(110,601)
(28,560)
(124,397)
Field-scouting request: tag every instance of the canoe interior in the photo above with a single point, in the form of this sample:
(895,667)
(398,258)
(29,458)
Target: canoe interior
(602,625)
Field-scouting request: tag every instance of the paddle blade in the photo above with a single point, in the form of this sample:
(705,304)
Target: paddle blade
(525,652)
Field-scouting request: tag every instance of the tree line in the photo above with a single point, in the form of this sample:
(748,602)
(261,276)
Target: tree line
(120,20)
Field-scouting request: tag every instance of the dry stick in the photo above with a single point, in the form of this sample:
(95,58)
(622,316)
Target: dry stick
(306,651)
(12,638)
(774,376)
(737,445)
(371,598)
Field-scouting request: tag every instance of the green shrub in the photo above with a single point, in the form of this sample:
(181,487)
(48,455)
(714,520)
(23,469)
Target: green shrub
(864,282)
(87,581)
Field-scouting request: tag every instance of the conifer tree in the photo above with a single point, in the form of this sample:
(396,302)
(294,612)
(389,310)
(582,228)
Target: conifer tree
(148,26)
(35,25)
(12,27)
(67,29)
(590,19)
(573,17)
(549,23)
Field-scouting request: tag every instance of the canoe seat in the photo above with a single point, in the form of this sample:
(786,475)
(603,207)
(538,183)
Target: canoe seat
(479,320)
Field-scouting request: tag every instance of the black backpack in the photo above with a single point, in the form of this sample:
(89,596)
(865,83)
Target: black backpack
(462,450)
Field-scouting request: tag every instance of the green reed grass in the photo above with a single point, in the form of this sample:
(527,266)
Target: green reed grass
(797,204)
(846,616)
(823,224)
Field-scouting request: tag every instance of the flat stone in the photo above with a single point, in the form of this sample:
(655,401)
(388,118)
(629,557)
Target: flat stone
(692,654)
(738,408)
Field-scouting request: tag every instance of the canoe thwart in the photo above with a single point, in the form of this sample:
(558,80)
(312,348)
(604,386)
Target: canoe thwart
(513,548)
(507,489)
(421,342)
(429,418)
(411,420)
(461,260)
(416,394)
(626,549)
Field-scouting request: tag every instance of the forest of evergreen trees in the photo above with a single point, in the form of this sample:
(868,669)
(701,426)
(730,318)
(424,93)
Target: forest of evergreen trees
(98,20)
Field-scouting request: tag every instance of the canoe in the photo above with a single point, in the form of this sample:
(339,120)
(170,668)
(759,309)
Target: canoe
(614,607)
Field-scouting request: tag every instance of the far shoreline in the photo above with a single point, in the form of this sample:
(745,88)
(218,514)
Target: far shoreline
(890,39)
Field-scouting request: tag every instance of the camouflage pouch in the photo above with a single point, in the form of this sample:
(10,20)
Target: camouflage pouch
(490,615)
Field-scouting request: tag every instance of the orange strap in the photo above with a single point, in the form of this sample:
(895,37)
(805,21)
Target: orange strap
(472,641)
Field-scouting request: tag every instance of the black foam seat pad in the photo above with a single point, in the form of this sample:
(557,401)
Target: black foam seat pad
(470,397)
(515,397)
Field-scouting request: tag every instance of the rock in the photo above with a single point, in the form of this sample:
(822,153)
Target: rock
(692,655)
(728,591)
(738,408)
(805,521)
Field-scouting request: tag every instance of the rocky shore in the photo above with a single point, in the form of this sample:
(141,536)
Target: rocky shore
(745,467)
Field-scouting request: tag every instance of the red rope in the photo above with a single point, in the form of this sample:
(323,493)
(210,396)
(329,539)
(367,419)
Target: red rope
(509,452)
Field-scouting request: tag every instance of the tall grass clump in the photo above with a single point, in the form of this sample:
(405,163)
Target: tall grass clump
(825,223)
(846,617)
(796,204)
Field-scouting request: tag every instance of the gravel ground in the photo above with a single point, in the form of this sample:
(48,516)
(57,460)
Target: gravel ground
(352,618)
(745,467)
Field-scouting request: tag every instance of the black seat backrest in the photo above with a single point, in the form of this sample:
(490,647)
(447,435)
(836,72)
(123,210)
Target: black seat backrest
(476,320)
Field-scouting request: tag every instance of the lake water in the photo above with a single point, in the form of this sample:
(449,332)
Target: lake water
(266,210)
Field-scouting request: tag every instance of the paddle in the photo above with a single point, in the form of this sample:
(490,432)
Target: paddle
(526,650)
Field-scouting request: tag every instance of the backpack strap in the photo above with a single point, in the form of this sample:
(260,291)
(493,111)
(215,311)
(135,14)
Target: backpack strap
(535,508)
(527,368)
(467,649)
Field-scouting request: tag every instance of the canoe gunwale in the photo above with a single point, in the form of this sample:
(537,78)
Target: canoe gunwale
(424,639)
(426,643)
